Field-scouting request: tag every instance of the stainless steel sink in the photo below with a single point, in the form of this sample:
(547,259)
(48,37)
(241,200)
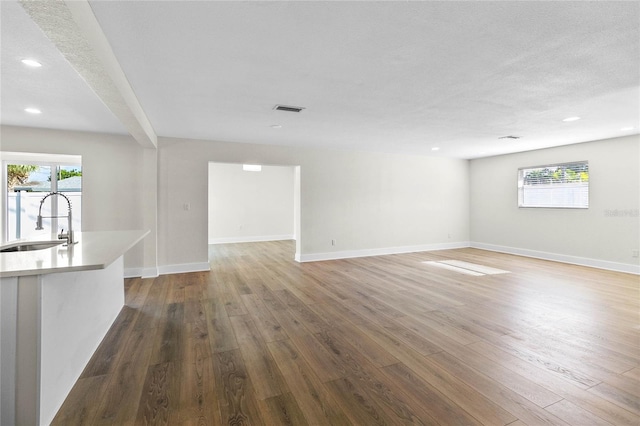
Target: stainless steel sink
(30,246)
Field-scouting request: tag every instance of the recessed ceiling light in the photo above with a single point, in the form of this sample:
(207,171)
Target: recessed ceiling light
(32,110)
(31,63)
(276,126)
(571,119)
(624,129)
(251,167)
(435,148)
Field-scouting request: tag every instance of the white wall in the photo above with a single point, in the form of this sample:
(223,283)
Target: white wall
(296,207)
(364,201)
(370,203)
(250,206)
(112,176)
(593,237)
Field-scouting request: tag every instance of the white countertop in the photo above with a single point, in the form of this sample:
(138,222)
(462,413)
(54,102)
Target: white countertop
(94,250)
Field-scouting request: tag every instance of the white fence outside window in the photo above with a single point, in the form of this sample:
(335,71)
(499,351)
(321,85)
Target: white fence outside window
(22,222)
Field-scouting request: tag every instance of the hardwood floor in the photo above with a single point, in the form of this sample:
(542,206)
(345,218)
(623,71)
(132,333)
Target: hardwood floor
(262,339)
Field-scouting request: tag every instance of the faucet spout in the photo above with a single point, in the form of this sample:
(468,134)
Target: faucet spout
(62,236)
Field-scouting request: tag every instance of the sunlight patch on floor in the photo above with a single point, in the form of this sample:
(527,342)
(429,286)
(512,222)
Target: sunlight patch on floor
(466,267)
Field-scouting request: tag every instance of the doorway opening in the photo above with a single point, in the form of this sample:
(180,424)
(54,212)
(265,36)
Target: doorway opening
(253,204)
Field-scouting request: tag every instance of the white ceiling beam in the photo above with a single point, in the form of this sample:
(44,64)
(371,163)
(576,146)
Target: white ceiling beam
(76,33)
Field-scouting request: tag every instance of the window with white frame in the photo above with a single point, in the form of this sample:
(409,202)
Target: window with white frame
(554,186)
(27,179)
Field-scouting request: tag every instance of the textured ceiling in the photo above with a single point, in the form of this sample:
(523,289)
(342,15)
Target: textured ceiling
(56,88)
(76,34)
(384,76)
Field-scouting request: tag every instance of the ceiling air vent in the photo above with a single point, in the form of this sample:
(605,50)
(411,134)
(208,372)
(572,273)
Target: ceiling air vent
(288,108)
(509,137)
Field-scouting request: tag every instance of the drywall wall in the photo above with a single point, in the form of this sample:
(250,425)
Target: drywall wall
(112,168)
(250,206)
(296,206)
(603,235)
(367,202)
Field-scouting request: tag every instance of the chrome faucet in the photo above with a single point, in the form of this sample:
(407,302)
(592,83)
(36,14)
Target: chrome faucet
(62,235)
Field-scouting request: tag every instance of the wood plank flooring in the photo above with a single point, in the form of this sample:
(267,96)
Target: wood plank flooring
(263,340)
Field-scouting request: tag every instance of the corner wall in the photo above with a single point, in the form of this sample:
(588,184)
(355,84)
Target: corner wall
(603,235)
(112,177)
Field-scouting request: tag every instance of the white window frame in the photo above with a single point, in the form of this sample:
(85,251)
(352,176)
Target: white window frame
(51,160)
(568,191)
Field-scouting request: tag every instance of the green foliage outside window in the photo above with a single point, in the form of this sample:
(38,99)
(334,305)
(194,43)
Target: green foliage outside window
(18,174)
(563,174)
(64,174)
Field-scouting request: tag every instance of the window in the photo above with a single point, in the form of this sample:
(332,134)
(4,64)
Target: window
(554,186)
(29,177)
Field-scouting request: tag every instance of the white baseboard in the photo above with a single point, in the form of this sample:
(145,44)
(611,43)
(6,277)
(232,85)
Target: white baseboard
(229,240)
(150,272)
(132,272)
(167,269)
(141,272)
(315,257)
(183,268)
(574,260)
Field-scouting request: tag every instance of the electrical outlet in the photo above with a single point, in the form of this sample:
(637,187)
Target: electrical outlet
(186,206)
(333,242)
(635,253)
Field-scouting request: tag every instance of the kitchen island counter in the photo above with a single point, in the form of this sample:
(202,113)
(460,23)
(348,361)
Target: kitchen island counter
(94,250)
(56,305)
